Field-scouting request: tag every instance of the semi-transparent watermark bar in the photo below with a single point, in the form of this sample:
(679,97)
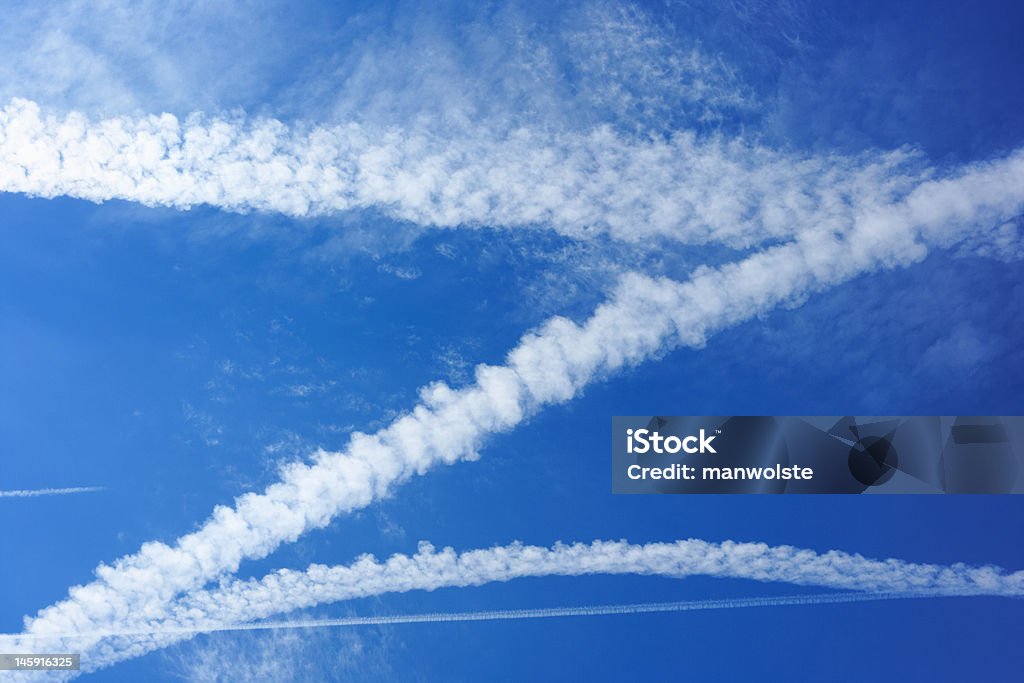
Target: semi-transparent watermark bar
(817,454)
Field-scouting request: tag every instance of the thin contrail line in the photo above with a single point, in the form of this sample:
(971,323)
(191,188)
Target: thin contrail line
(32,493)
(505,615)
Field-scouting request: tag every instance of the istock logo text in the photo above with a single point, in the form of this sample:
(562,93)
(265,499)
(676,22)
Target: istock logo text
(643,440)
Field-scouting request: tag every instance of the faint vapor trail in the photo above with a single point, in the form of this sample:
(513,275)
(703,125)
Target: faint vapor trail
(506,615)
(32,493)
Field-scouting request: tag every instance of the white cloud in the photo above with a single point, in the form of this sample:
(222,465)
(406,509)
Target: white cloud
(638,69)
(271,656)
(961,351)
(401,272)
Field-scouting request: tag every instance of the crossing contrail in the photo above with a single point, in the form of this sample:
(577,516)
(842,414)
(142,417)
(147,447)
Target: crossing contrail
(504,615)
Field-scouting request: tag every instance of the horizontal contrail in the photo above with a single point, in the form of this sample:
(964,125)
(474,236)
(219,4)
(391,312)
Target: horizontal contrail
(32,493)
(245,603)
(503,615)
(576,183)
(582,611)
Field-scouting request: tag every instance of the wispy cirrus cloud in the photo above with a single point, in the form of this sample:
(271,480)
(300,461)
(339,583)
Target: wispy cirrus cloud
(282,655)
(113,56)
(578,63)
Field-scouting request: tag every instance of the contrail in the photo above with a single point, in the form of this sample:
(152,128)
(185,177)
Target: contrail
(32,493)
(575,183)
(250,602)
(503,615)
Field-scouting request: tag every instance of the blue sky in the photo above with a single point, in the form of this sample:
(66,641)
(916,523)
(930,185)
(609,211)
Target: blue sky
(178,356)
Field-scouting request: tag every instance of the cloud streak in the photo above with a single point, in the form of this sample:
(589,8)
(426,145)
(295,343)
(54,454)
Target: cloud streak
(238,605)
(430,569)
(579,183)
(32,493)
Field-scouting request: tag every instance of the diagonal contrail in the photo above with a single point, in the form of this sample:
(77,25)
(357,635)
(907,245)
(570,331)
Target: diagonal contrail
(32,493)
